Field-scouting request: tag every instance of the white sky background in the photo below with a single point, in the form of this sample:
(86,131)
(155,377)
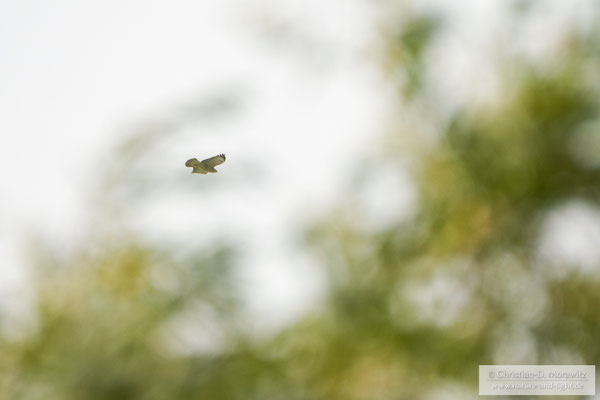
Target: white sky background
(74,75)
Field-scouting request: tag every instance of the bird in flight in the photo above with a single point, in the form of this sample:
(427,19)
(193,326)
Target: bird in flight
(205,166)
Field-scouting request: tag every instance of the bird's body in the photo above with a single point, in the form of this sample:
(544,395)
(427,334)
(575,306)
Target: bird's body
(205,166)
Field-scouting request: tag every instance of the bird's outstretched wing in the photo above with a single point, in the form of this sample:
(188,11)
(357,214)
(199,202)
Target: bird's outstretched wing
(197,166)
(192,162)
(213,161)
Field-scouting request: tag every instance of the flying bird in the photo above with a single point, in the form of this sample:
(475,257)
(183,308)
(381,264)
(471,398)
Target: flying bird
(205,166)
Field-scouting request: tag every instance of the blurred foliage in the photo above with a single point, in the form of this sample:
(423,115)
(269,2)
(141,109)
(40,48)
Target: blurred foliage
(405,46)
(413,306)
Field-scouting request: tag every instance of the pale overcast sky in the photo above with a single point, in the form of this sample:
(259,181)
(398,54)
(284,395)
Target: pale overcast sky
(75,75)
